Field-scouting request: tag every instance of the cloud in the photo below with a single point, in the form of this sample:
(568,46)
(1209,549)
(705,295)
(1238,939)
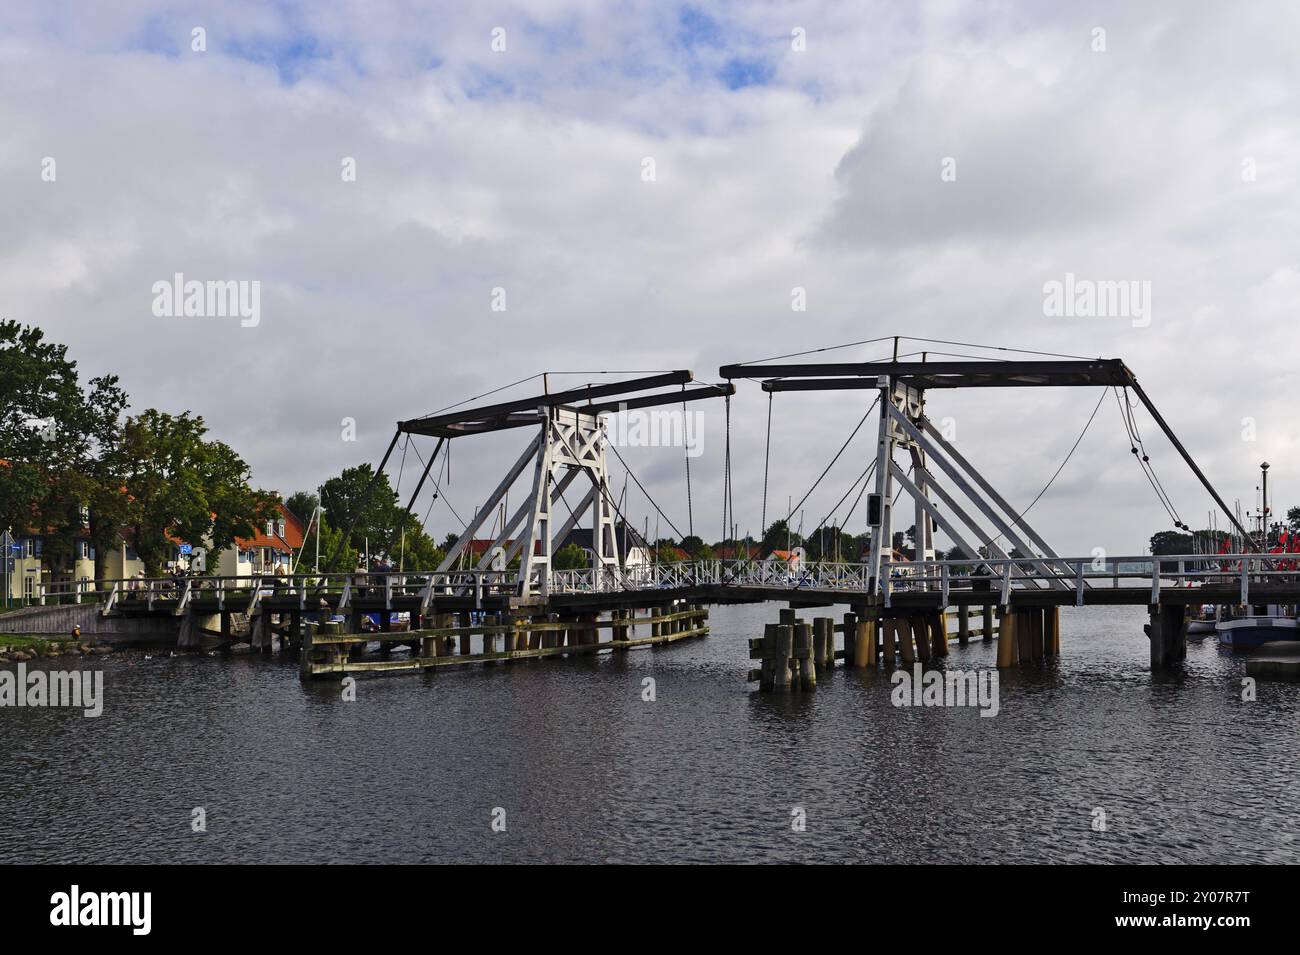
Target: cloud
(775,169)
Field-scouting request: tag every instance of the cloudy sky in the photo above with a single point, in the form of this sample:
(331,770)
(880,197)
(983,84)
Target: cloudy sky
(918,169)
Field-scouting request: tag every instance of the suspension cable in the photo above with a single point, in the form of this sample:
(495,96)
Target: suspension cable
(1164,502)
(767,460)
(637,481)
(866,474)
(690,507)
(1146,459)
(1074,447)
(726,471)
(826,470)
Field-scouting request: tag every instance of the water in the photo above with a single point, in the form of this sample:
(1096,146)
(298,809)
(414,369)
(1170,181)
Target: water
(710,772)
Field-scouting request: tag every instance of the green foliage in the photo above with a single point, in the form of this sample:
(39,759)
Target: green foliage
(778,536)
(377,522)
(302,504)
(58,440)
(831,543)
(185,486)
(570,557)
(1171,542)
(695,548)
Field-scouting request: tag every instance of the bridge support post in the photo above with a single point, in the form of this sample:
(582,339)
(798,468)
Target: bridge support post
(1052,631)
(888,641)
(189,635)
(864,647)
(939,633)
(963,626)
(823,635)
(921,636)
(781,662)
(850,640)
(988,623)
(903,634)
(261,633)
(1168,640)
(767,668)
(804,654)
(1008,648)
(1024,636)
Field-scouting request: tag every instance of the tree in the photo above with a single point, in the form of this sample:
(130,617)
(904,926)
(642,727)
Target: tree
(377,514)
(1170,542)
(778,536)
(695,548)
(185,487)
(58,442)
(570,557)
(302,504)
(830,543)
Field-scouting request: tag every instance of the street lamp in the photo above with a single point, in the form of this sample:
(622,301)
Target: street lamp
(1263,514)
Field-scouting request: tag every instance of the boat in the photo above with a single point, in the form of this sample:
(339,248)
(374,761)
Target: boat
(1247,631)
(1203,619)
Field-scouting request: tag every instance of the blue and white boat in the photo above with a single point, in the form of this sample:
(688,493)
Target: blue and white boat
(1248,631)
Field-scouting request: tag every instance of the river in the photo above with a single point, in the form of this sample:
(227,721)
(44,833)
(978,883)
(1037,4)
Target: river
(585,770)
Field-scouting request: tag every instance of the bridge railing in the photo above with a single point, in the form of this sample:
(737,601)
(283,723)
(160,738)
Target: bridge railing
(1159,572)
(1002,575)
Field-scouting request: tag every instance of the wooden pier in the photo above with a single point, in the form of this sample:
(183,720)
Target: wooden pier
(460,639)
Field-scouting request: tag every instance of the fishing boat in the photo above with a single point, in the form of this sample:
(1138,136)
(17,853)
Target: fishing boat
(1246,631)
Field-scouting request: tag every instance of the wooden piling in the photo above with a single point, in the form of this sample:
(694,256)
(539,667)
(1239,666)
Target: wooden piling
(939,634)
(988,623)
(823,633)
(864,648)
(781,661)
(803,654)
(888,648)
(1024,635)
(1052,631)
(963,626)
(1007,647)
(767,668)
(903,634)
(850,640)
(921,637)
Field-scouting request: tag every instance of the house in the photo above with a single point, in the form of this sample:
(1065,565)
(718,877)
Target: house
(25,564)
(738,552)
(632,550)
(790,558)
(275,545)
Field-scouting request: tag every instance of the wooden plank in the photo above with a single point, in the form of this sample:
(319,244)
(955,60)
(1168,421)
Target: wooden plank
(422,663)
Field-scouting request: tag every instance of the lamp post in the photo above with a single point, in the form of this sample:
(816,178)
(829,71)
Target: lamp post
(1263,514)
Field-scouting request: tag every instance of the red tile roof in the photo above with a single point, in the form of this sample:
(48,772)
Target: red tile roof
(294,534)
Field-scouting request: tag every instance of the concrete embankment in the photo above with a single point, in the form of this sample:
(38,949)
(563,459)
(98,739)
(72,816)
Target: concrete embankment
(60,621)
